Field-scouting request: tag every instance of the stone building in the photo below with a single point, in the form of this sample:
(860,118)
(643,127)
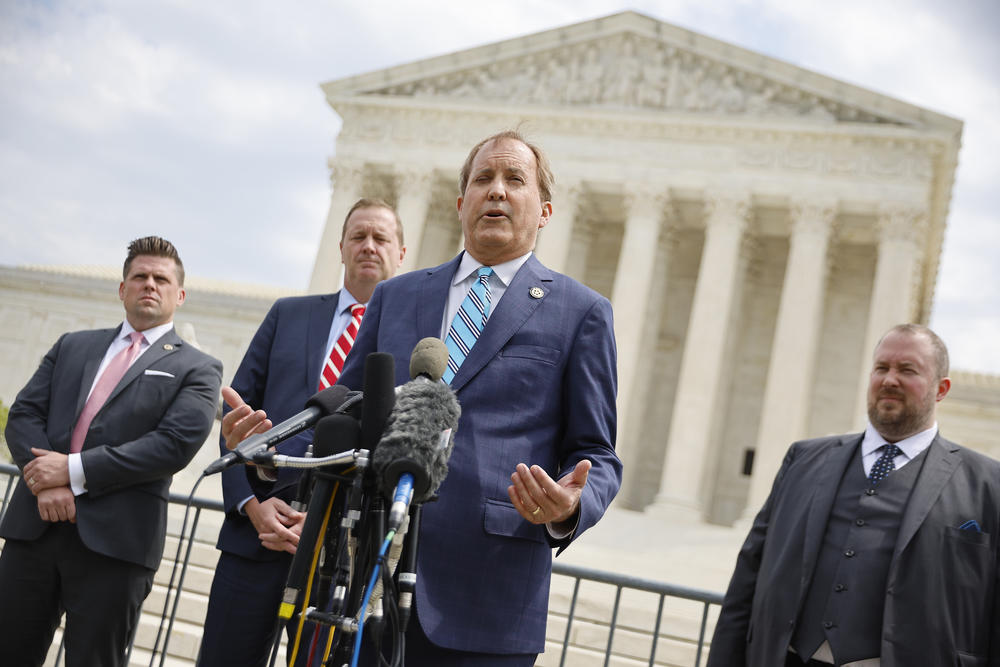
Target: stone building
(757,226)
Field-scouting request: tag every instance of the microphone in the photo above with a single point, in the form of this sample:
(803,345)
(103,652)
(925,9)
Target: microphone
(429,359)
(379,392)
(411,460)
(319,405)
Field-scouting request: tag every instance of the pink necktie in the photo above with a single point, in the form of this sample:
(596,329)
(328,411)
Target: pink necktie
(335,364)
(109,379)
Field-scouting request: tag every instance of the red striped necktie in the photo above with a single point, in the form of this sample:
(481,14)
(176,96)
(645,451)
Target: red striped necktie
(335,363)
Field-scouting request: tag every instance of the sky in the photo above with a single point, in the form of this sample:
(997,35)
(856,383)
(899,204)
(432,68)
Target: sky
(204,122)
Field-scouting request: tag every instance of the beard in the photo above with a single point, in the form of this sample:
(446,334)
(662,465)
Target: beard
(903,419)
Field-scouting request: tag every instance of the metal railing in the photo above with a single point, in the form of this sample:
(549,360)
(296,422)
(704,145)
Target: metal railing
(578,575)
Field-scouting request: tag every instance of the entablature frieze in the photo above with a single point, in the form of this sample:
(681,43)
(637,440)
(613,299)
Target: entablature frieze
(897,155)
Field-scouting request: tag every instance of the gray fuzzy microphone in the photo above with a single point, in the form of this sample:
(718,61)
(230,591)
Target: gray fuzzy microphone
(419,433)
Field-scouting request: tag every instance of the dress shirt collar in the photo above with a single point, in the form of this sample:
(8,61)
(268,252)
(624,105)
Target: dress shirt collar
(910,446)
(345,300)
(151,335)
(505,272)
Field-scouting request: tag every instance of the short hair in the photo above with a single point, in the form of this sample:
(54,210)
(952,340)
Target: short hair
(366,202)
(155,247)
(544,171)
(940,349)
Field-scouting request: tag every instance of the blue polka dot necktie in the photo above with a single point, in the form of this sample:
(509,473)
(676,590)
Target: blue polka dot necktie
(468,323)
(885,463)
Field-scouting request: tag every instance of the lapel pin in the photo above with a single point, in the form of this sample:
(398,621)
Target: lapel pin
(536,293)
(168,347)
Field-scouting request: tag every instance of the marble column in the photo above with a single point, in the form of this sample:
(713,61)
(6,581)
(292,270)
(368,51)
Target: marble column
(631,298)
(415,187)
(793,351)
(555,240)
(689,444)
(894,291)
(347,180)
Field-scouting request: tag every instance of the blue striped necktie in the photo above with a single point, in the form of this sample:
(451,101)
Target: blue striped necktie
(468,323)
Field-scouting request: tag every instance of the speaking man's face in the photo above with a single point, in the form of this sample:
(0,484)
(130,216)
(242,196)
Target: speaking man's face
(501,209)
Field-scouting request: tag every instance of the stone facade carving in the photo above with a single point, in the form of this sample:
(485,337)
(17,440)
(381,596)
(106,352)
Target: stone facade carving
(632,72)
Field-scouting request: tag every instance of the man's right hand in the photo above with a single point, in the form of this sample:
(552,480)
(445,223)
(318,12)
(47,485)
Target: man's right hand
(278,525)
(242,421)
(57,504)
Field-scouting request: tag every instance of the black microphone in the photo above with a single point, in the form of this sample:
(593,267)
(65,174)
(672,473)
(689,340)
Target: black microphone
(412,458)
(379,392)
(319,405)
(337,431)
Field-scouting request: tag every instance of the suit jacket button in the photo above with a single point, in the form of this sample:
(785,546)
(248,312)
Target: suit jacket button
(849,553)
(840,588)
(827,624)
(859,522)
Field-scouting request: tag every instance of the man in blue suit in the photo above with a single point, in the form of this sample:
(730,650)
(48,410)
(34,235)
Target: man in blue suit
(534,463)
(282,368)
(98,431)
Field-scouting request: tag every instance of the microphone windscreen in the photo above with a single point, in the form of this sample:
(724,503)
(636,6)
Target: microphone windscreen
(413,438)
(329,399)
(380,395)
(430,358)
(336,433)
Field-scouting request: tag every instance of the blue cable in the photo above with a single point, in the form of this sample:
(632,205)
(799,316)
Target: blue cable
(368,596)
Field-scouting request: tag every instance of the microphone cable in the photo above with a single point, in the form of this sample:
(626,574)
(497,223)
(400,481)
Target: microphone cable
(170,584)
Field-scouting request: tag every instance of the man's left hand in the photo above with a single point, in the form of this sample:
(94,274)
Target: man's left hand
(540,499)
(48,470)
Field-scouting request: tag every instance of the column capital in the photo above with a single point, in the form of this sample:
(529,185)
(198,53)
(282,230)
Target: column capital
(413,179)
(645,199)
(901,222)
(727,207)
(813,216)
(346,175)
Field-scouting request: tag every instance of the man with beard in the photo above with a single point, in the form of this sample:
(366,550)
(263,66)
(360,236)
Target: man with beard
(878,548)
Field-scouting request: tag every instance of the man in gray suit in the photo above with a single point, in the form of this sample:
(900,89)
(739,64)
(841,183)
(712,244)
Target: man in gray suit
(106,420)
(878,548)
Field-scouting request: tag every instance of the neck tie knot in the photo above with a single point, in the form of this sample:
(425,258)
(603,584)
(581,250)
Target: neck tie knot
(358,309)
(885,463)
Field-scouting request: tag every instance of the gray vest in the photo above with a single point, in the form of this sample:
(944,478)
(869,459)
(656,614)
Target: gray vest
(847,593)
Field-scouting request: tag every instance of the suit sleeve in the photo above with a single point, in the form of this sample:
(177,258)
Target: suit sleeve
(590,387)
(250,382)
(168,447)
(732,630)
(28,417)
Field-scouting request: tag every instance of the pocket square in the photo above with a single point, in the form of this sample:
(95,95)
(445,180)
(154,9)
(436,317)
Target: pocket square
(971,524)
(150,371)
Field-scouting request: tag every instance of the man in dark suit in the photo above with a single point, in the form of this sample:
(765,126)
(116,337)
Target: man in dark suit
(287,362)
(874,548)
(534,463)
(98,432)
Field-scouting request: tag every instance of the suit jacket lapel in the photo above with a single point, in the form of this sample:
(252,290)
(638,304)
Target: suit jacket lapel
(321,314)
(511,312)
(433,298)
(938,468)
(90,366)
(831,471)
(166,344)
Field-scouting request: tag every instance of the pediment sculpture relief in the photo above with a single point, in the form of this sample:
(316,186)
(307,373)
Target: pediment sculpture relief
(630,72)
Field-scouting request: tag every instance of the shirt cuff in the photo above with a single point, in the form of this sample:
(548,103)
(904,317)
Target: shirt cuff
(239,506)
(557,534)
(77,478)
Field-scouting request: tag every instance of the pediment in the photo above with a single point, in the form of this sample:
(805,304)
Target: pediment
(631,62)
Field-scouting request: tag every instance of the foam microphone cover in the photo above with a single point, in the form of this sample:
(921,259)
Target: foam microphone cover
(336,433)
(429,358)
(329,399)
(412,439)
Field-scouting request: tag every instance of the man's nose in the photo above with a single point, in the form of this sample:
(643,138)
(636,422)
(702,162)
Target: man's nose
(497,191)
